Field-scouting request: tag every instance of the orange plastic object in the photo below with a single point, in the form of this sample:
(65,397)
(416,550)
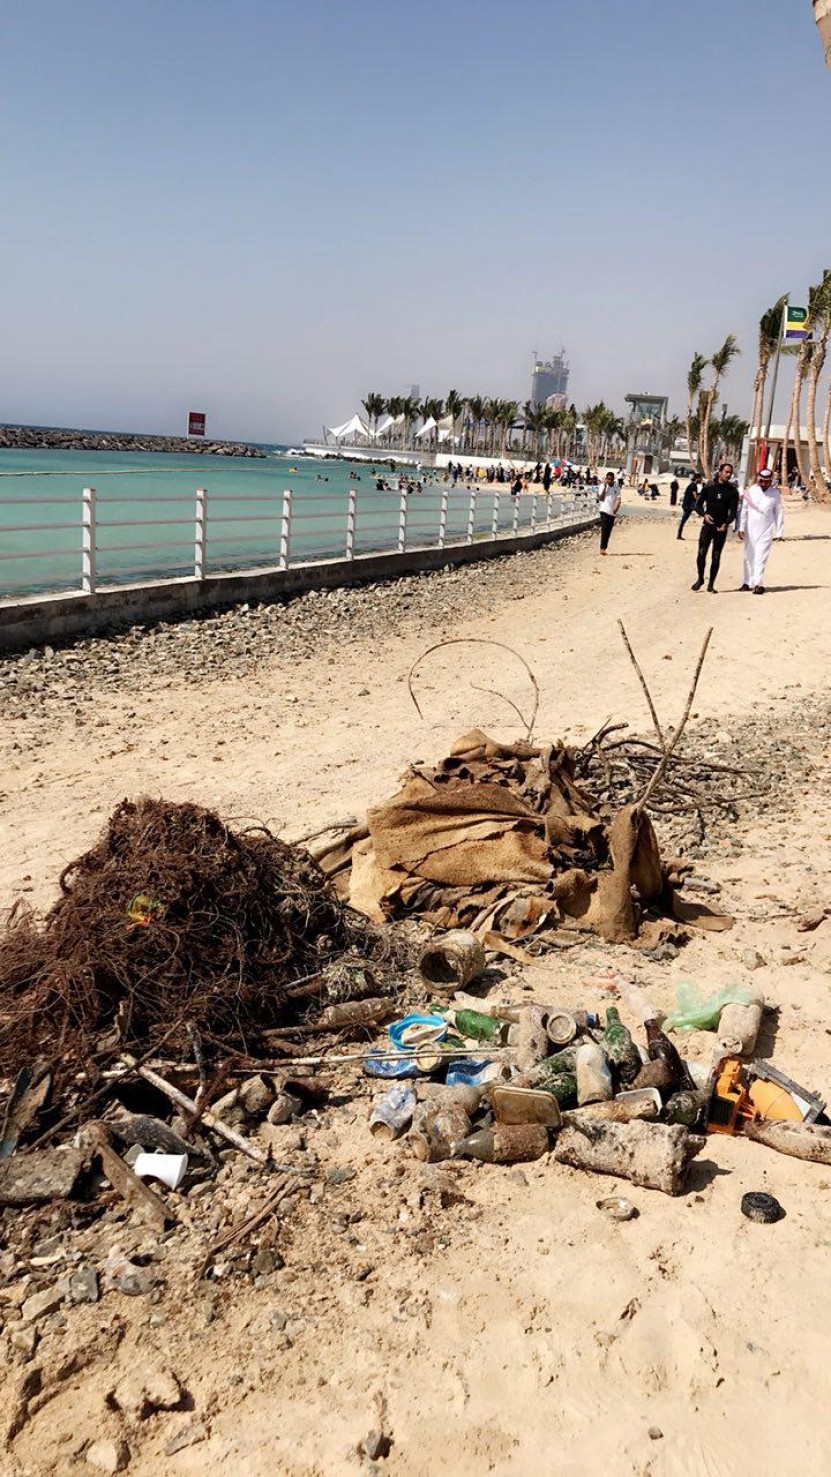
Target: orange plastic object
(730,1105)
(773,1103)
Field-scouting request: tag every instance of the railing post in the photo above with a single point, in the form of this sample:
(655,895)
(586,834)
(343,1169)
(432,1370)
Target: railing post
(495,518)
(443,517)
(548,505)
(534,513)
(200,537)
(471,514)
(515,524)
(285,530)
(89,541)
(402,522)
(351,515)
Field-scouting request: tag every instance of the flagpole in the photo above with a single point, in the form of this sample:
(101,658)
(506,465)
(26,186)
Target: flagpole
(775,377)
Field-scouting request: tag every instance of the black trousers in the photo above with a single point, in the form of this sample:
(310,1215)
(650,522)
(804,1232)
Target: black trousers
(685,517)
(607,523)
(710,535)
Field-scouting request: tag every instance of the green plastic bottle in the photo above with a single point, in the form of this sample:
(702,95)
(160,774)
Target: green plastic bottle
(620,1048)
(477,1027)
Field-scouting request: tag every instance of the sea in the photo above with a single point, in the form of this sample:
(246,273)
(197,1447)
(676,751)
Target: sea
(145,510)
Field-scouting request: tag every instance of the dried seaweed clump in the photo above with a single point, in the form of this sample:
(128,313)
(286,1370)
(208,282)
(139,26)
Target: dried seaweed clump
(170,918)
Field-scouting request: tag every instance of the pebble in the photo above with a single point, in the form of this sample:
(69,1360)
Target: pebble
(340,1176)
(188,1436)
(40,1304)
(752,959)
(108,1456)
(146,1388)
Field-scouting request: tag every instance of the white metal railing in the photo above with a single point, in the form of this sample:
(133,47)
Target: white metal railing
(195,538)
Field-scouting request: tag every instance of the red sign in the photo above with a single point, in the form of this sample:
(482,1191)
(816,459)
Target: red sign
(196,423)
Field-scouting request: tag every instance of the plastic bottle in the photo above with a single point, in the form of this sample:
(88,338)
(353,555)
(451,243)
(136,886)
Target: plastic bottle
(504,1143)
(738,1026)
(620,1048)
(392,1114)
(637,1000)
(594,1079)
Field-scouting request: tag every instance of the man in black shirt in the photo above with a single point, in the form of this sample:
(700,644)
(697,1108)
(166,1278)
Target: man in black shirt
(688,503)
(718,504)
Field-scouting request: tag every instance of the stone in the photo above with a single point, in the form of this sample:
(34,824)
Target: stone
(47,1174)
(147,1388)
(108,1456)
(376,1445)
(655,1433)
(256,1096)
(811,920)
(40,1304)
(25,1340)
(752,959)
(119,1274)
(266,1260)
(188,1436)
(82,1286)
(340,1176)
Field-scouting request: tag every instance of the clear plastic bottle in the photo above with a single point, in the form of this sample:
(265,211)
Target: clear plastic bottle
(594,1078)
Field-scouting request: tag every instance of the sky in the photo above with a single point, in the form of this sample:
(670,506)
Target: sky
(264,210)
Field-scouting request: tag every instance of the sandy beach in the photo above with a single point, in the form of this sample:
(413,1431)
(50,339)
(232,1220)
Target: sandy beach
(517,1330)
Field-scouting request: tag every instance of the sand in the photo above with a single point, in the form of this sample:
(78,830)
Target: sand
(518,1331)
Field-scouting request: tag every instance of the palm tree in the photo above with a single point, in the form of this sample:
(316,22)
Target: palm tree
(770,333)
(476,407)
(826,435)
(819,316)
(720,362)
(794,423)
(410,411)
(695,379)
(374,405)
(394,407)
(453,406)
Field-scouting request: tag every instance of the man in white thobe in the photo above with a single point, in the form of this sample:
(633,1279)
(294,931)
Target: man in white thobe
(761,519)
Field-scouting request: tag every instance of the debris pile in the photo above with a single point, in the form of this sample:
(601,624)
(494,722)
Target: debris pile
(504,840)
(172,920)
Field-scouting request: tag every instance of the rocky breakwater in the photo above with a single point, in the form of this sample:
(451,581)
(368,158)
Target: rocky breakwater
(56,439)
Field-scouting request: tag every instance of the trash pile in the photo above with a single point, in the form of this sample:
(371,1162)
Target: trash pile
(173,923)
(503,840)
(505,1083)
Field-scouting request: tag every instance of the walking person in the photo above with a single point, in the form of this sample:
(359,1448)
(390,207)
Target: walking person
(688,503)
(718,505)
(761,520)
(608,503)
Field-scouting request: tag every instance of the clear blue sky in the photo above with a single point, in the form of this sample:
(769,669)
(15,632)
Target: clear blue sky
(264,209)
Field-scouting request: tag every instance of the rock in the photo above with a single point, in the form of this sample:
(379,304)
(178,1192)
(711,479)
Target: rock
(188,1436)
(25,1340)
(376,1445)
(108,1456)
(340,1176)
(752,959)
(82,1286)
(48,1174)
(266,1260)
(811,920)
(40,1304)
(146,1388)
(119,1274)
(256,1096)
(655,1433)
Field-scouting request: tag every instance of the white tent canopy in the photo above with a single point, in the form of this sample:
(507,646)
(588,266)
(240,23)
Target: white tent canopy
(353,427)
(387,424)
(429,425)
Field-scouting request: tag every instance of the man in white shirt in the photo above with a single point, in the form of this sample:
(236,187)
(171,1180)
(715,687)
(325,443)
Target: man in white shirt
(608,503)
(761,519)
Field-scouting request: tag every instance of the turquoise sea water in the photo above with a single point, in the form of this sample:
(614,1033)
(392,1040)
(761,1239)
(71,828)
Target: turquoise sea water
(146,513)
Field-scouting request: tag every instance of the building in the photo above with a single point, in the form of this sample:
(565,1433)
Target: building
(645,433)
(549,377)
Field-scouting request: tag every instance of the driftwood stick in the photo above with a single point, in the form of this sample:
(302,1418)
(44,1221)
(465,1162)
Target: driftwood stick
(662,765)
(480,641)
(209,1119)
(647,694)
(128,1184)
(281,1190)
